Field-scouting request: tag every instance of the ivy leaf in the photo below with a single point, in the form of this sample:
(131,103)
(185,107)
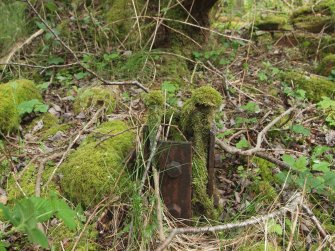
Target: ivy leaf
(243,143)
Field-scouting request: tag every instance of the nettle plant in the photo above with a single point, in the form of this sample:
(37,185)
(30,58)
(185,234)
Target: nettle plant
(327,105)
(314,173)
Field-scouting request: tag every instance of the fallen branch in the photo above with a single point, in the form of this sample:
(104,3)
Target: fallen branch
(67,47)
(5,61)
(40,66)
(290,207)
(257,150)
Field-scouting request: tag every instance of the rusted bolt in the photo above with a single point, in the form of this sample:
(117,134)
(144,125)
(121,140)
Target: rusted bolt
(175,210)
(173,169)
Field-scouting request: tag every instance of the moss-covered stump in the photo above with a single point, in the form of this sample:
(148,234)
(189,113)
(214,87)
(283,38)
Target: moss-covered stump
(315,18)
(272,22)
(197,116)
(327,65)
(96,169)
(11,95)
(94,98)
(315,86)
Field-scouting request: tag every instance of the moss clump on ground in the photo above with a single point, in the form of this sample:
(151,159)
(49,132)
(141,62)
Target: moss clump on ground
(27,183)
(11,95)
(272,22)
(94,171)
(62,234)
(50,126)
(95,97)
(197,116)
(264,168)
(326,65)
(315,86)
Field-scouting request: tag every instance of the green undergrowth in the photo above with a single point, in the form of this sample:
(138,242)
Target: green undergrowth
(25,186)
(327,65)
(94,171)
(94,98)
(61,234)
(315,86)
(12,94)
(196,120)
(13,24)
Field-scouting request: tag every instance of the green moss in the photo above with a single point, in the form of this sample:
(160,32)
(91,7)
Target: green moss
(326,65)
(50,126)
(92,172)
(154,101)
(272,22)
(11,95)
(94,97)
(62,234)
(265,168)
(314,18)
(315,23)
(315,86)
(264,189)
(197,116)
(27,183)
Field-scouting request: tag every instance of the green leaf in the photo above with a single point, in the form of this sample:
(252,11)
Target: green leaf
(225,133)
(64,212)
(55,60)
(251,107)
(3,246)
(30,106)
(301,130)
(80,75)
(322,166)
(243,143)
(273,227)
(169,87)
(300,164)
(288,159)
(37,236)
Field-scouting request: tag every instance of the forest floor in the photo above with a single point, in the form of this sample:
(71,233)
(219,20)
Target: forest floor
(275,137)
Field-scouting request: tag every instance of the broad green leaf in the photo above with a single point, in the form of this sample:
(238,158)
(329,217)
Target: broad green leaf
(273,227)
(169,87)
(80,75)
(300,164)
(288,159)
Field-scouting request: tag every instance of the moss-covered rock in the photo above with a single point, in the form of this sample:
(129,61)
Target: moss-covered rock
(197,116)
(315,86)
(93,98)
(273,22)
(11,95)
(95,170)
(326,65)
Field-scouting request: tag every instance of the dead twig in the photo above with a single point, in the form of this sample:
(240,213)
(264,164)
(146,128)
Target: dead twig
(290,207)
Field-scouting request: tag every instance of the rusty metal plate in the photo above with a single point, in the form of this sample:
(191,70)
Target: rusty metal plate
(175,166)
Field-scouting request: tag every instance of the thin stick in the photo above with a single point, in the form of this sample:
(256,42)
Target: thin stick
(159,206)
(290,206)
(151,157)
